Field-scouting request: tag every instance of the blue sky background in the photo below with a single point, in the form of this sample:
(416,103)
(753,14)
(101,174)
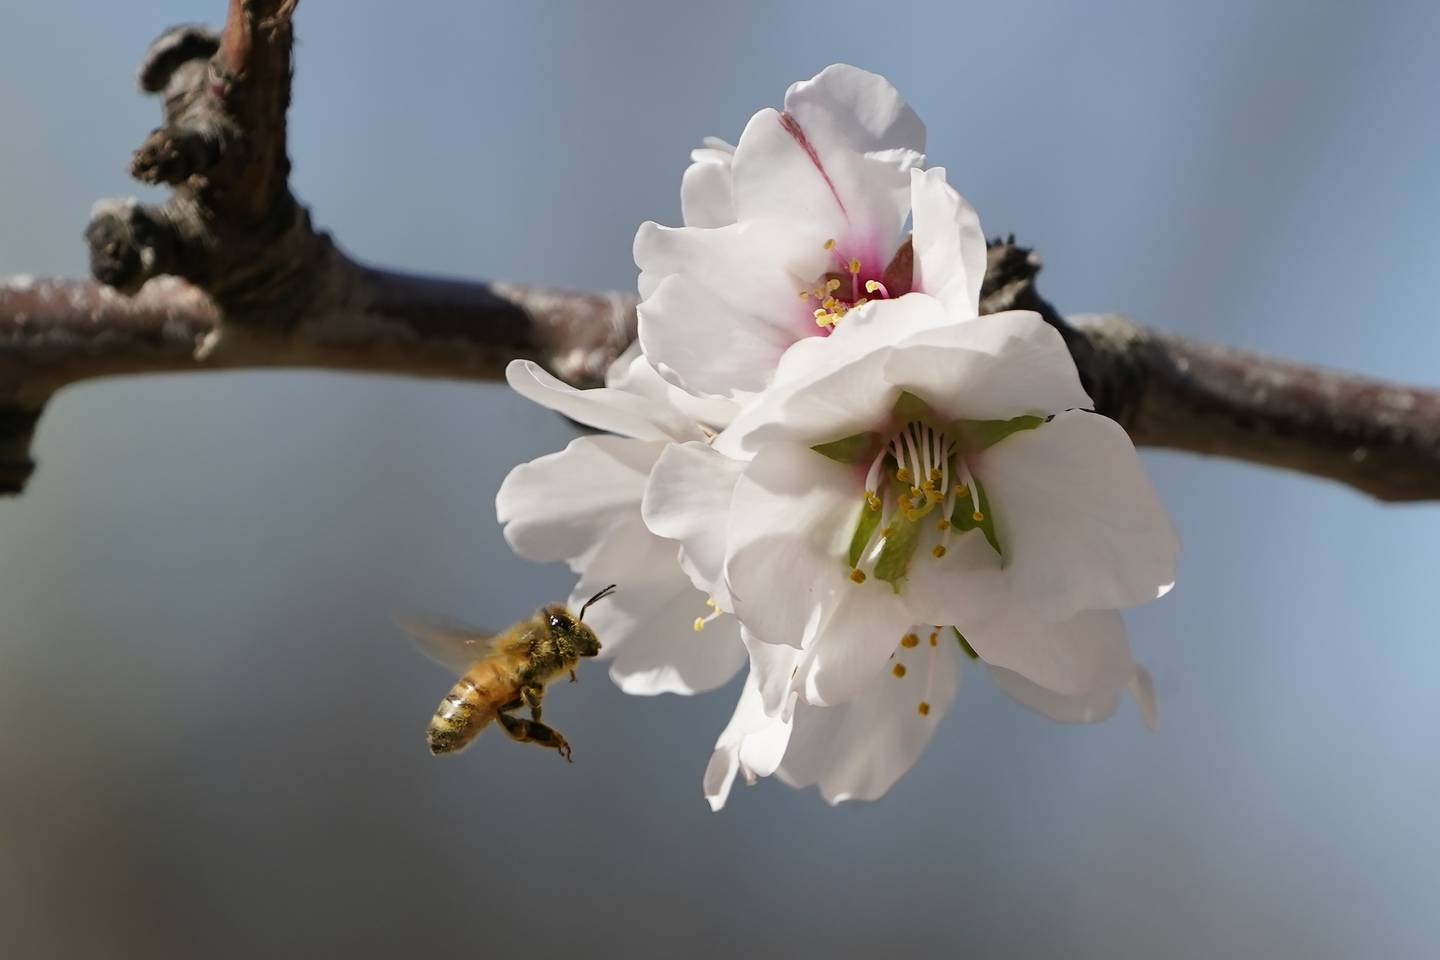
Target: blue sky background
(212,736)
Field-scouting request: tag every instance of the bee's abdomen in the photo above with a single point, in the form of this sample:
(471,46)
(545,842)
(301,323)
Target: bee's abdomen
(467,709)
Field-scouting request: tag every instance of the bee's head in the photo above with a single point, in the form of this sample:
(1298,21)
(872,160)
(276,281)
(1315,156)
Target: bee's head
(563,623)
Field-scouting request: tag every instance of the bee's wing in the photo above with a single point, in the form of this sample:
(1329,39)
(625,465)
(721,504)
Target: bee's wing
(451,645)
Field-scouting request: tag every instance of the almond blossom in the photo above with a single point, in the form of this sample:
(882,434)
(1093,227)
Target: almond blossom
(799,223)
(913,476)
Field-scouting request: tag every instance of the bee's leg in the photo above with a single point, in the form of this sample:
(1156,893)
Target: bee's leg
(532,731)
(531,696)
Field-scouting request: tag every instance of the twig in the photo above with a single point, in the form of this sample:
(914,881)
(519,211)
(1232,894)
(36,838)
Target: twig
(228,272)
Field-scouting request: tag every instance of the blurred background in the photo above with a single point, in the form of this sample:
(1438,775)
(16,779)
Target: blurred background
(212,735)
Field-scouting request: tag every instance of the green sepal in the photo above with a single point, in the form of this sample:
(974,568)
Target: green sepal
(965,645)
(962,518)
(975,435)
(864,530)
(852,449)
(909,407)
(894,560)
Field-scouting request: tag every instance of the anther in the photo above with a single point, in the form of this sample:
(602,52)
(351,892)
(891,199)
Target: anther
(935,638)
(942,524)
(939,551)
(699,624)
(898,670)
(924,709)
(830,244)
(854,265)
(857,575)
(909,640)
(977,516)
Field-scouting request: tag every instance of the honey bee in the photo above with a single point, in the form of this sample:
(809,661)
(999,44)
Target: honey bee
(504,672)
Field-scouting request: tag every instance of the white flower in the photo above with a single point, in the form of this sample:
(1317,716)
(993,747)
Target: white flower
(902,474)
(794,227)
(582,505)
(859,749)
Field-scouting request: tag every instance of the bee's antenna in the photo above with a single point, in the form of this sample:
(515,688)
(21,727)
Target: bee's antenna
(599,596)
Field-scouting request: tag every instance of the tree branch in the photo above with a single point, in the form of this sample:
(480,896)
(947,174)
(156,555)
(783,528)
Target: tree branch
(228,272)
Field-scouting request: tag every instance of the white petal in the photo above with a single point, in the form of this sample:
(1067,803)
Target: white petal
(1089,707)
(568,505)
(862,110)
(949,245)
(753,743)
(707,196)
(632,373)
(966,586)
(687,499)
(614,411)
(1079,656)
(833,387)
(788,531)
(789,169)
(993,367)
(703,346)
(857,751)
(757,267)
(647,629)
(860,630)
(1079,521)
(773,667)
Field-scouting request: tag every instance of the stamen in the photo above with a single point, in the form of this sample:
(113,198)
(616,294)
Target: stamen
(898,670)
(857,575)
(909,640)
(939,551)
(715,611)
(872,478)
(935,637)
(924,708)
(830,244)
(875,286)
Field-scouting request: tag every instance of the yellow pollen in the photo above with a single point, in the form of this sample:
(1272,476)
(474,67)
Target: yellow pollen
(822,312)
(977,516)
(710,602)
(804,294)
(871,500)
(854,266)
(887,531)
(924,709)
(857,575)
(935,639)
(898,670)
(699,624)
(962,491)
(903,475)
(942,524)
(872,285)
(832,284)
(939,551)
(829,244)
(909,640)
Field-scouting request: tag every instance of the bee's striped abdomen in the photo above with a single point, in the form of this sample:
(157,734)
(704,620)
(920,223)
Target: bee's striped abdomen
(468,708)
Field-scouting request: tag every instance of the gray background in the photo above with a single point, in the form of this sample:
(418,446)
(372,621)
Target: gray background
(211,735)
